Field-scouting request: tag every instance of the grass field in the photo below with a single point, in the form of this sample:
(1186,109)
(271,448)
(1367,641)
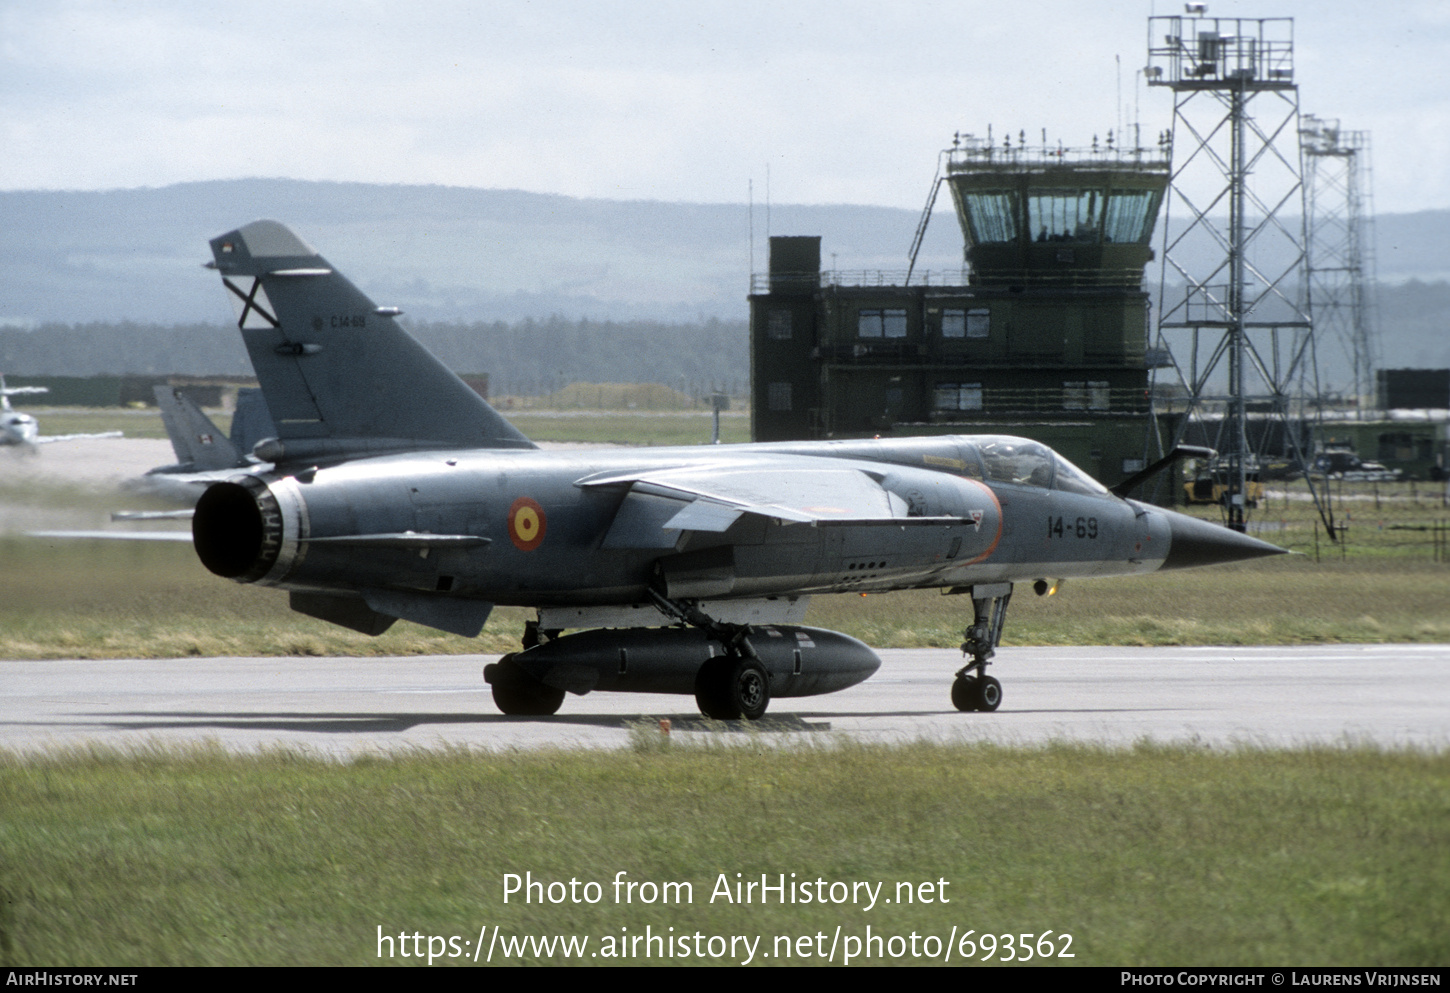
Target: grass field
(1153,856)
(63,599)
(1388,580)
(1147,856)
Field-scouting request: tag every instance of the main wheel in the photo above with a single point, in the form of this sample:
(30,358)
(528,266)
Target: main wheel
(728,689)
(987,694)
(518,694)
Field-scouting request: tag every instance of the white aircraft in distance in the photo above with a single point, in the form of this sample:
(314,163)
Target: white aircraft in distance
(23,430)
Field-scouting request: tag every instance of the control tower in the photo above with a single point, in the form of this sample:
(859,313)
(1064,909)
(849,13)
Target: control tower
(1062,217)
(1042,333)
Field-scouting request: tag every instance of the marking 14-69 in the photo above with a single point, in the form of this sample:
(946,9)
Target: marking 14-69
(1083,527)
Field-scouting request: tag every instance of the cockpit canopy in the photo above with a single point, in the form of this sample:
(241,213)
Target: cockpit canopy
(1021,462)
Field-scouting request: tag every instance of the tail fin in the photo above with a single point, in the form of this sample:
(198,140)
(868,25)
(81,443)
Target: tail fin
(195,439)
(251,421)
(339,374)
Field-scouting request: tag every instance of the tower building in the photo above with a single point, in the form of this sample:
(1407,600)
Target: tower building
(1044,332)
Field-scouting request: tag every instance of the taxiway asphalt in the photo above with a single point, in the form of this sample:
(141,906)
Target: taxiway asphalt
(1272,697)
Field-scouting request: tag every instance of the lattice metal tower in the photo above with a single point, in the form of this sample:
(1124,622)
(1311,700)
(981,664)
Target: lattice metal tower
(1339,211)
(1235,333)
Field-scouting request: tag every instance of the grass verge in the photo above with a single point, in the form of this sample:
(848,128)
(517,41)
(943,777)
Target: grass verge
(1149,856)
(62,599)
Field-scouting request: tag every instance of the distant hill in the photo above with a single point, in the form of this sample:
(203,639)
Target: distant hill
(440,253)
(450,255)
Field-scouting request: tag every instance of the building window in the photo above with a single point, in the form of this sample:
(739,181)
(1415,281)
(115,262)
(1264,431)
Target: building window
(974,323)
(978,322)
(957,396)
(778,325)
(1091,394)
(778,397)
(881,324)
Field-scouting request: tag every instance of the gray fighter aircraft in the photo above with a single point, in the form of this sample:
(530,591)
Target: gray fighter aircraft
(397,492)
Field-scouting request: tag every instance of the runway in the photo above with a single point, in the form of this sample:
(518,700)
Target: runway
(1272,697)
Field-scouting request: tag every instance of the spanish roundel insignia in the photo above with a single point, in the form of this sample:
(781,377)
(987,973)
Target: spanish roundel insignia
(526,524)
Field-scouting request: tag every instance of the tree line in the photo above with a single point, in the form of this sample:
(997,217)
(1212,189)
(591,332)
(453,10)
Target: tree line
(525,357)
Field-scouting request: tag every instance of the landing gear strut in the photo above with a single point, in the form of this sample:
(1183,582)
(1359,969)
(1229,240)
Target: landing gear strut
(730,687)
(973,688)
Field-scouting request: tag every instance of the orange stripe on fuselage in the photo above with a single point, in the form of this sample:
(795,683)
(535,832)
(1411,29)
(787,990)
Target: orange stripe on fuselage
(1000,521)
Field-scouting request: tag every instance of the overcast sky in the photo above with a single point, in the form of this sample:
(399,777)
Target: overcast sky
(847,101)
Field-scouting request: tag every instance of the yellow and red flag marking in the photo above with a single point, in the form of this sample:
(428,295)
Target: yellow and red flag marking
(527,524)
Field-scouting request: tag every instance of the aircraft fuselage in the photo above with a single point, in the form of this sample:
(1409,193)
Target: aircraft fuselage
(552,537)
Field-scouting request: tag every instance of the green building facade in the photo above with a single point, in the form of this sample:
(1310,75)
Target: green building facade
(1045,333)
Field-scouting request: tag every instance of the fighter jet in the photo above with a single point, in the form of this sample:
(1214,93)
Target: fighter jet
(23,429)
(397,492)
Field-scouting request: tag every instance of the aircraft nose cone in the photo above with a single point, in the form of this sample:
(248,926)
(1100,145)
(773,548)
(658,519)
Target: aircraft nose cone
(1193,542)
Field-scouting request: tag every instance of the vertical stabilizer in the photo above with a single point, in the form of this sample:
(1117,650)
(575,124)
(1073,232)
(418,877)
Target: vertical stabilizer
(198,442)
(339,374)
(251,422)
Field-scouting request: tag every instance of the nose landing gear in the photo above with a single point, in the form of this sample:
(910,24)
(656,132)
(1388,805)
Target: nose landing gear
(973,689)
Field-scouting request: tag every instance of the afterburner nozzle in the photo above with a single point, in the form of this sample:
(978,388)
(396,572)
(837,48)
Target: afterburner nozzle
(1195,542)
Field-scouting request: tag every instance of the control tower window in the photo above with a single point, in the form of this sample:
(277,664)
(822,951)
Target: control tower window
(881,324)
(1065,215)
(992,215)
(1130,217)
(779,325)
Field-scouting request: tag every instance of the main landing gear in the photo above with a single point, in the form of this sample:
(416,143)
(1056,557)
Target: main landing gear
(973,688)
(730,686)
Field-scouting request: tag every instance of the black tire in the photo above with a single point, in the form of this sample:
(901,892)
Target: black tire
(750,689)
(710,695)
(987,694)
(728,689)
(964,689)
(518,694)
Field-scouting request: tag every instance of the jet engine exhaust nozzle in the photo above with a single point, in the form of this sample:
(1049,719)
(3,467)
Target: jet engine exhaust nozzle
(237,530)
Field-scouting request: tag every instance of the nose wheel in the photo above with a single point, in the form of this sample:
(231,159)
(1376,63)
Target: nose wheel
(973,689)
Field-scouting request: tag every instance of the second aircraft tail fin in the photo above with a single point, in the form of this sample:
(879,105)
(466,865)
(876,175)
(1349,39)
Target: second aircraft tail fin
(198,442)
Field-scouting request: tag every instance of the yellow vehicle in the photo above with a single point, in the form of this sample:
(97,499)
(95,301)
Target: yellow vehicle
(1212,486)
